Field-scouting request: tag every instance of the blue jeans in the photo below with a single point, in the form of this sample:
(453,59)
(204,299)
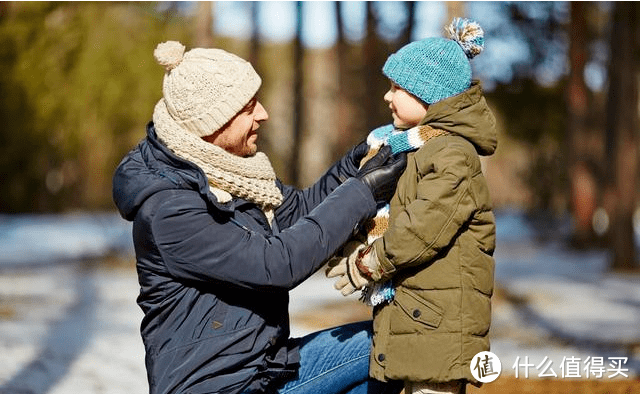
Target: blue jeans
(336,361)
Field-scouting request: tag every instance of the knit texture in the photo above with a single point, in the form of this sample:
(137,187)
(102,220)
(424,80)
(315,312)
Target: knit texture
(204,88)
(400,141)
(251,178)
(437,68)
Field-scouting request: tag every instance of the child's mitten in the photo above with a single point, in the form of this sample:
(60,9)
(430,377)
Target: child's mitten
(368,265)
(344,268)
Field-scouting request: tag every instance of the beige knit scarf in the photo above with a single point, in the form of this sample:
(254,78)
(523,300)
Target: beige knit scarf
(251,178)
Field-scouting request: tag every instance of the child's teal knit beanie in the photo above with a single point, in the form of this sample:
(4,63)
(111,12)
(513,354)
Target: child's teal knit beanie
(436,68)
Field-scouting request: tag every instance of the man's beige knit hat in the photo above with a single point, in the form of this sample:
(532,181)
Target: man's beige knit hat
(203,88)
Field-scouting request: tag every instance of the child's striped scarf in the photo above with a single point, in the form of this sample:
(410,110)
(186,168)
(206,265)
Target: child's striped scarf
(400,141)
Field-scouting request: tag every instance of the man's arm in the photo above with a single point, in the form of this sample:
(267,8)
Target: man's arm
(197,246)
(297,203)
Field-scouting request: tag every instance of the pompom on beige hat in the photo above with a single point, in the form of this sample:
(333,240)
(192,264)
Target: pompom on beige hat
(202,88)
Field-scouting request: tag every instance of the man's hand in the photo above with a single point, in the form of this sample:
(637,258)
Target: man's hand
(381,173)
(358,152)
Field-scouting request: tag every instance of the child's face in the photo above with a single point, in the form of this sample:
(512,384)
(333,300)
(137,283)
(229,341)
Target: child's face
(407,111)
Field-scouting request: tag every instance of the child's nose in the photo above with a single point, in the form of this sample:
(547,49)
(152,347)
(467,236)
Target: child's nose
(387,96)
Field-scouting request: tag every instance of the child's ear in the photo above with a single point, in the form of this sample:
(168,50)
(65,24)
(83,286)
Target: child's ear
(425,105)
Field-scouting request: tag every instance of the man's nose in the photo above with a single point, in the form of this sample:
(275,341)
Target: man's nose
(261,112)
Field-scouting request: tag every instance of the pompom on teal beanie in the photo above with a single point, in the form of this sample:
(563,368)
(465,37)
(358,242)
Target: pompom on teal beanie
(436,68)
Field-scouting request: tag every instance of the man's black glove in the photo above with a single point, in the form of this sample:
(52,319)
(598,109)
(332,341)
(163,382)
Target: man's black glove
(381,173)
(348,164)
(358,152)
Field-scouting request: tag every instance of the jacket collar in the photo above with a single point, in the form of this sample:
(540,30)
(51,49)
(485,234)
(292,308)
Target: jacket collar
(185,173)
(468,115)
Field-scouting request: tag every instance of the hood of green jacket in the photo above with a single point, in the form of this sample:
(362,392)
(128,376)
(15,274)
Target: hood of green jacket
(468,115)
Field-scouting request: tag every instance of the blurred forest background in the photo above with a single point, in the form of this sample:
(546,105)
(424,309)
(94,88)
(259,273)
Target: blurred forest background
(78,84)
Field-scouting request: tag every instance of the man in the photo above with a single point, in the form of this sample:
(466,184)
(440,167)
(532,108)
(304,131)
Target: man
(220,241)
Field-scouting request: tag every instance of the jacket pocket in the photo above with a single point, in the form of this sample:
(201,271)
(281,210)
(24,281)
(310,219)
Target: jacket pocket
(480,269)
(478,322)
(414,309)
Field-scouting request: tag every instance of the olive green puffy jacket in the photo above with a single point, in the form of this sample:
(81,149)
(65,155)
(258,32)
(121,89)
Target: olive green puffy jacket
(439,248)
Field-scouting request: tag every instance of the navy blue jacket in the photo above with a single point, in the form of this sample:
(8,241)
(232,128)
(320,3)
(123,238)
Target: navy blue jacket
(215,277)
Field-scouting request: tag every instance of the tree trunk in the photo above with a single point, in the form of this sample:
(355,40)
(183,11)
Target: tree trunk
(298,99)
(345,129)
(370,70)
(583,187)
(254,52)
(411,17)
(454,9)
(622,141)
(204,25)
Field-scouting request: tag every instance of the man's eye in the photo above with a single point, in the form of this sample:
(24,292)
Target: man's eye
(251,106)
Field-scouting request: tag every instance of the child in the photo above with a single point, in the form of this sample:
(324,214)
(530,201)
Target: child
(428,270)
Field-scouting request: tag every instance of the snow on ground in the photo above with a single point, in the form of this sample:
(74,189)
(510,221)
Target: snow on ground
(66,329)
(561,304)
(72,328)
(28,240)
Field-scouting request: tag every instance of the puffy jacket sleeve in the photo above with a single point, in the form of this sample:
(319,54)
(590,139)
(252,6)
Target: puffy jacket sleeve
(298,203)
(198,246)
(443,203)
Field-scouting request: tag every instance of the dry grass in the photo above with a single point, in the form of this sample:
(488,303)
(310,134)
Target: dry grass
(512,385)
(333,314)
(6,311)
(117,261)
(348,311)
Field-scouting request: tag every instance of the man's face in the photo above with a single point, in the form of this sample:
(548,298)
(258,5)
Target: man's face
(407,111)
(239,135)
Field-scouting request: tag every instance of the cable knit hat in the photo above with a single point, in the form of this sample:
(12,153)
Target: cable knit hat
(202,89)
(436,68)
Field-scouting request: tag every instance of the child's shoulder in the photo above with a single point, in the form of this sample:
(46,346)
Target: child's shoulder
(429,139)
(444,145)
